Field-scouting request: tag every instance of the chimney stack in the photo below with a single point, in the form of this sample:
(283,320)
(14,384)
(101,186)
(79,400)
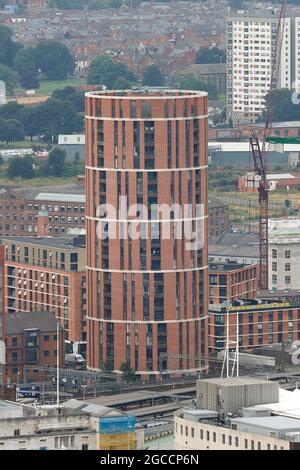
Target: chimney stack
(42,224)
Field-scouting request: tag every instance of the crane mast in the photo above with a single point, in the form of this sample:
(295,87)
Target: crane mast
(260,153)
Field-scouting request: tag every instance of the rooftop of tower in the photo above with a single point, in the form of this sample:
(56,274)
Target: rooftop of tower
(146,92)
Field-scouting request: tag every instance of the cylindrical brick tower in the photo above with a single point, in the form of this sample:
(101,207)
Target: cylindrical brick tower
(147,298)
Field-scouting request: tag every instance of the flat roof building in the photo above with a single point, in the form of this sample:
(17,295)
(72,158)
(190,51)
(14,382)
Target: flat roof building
(232,281)
(31,342)
(48,274)
(261,323)
(73,145)
(74,425)
(20,208)
(234,246)
(251,40)
(284,254)
(239,413)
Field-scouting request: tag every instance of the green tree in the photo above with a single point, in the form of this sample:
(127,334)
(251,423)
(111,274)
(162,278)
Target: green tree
(42,169)
(21,167)
(128,374)
(30,118)
(8,48)
(54,60)
(10,110)
(9,76)
(76,159)
(29,81)
(210,56)
(69,93)
(59,117)
(152,76)
(282,105)
(25,61)
(103,71)
(51,118)
(13,170)
(56,161)
(108,367)
(188,82)
(122,84)
(27,167)
(11,130)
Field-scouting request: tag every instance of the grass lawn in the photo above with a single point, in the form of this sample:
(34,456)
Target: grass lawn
(239,211)
(39,181)
(48,86)
(22,144)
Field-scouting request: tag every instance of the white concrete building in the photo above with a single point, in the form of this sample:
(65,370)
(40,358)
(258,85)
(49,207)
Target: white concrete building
(251,41)
(260,426)
(284,254)
(207,435)
(72,426)
(26,428)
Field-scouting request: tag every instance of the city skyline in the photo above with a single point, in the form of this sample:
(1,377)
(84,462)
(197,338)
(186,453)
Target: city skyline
(149,219)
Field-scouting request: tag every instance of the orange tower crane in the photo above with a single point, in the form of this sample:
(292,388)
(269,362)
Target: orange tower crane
(260,153)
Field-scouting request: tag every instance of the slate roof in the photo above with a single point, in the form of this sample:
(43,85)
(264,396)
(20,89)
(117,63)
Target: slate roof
(16,323)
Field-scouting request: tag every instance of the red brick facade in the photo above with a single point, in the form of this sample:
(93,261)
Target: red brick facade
(19,214)
(31,347)
(259,325)
(37,280)
(228,282)
(147,300)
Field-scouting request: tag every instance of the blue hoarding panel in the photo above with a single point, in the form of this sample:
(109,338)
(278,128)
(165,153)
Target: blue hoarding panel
(117,425)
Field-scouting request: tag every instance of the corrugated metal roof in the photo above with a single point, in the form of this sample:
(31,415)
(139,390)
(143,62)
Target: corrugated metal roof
(92,408)
(244,146)
(276,125)
(278,176)
(236,381)
(60,197)
(234,244)
(31,192)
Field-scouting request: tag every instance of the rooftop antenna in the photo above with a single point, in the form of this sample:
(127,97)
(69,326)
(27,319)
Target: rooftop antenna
(226,355)
(57,363)
(236,361)
(226,359)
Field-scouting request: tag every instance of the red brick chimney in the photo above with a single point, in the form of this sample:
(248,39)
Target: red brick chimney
(42,223)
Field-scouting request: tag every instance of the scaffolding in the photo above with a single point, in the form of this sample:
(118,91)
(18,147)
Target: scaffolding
(117,433)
